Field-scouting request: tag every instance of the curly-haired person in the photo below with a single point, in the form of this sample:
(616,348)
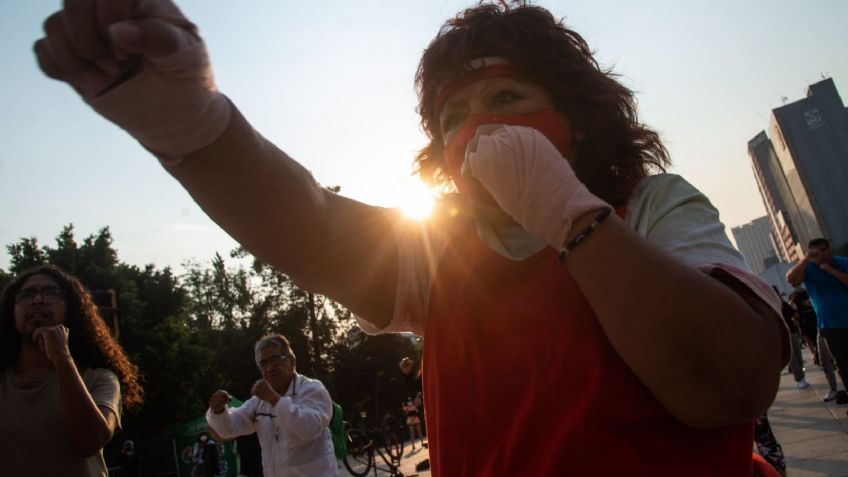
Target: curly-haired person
(592,304)
(63,378)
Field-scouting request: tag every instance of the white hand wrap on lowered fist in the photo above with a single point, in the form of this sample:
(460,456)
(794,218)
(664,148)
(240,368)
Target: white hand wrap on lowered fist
(530,180)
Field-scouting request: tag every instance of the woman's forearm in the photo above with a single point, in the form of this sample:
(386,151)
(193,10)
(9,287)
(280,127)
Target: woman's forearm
(710,354)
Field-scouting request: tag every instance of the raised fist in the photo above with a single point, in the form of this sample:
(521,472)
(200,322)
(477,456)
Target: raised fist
(142,65)
(218,401)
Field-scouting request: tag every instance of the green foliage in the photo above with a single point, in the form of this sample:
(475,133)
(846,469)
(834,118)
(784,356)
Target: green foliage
(25,254)
(5,278)
(193,334)
(368,379)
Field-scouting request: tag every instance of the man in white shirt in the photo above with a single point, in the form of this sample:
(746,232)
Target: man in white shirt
(290,414)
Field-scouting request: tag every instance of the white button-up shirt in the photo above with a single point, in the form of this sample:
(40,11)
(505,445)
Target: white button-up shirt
(293,434)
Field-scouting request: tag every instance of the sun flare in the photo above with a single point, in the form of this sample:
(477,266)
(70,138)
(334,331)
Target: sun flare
(417,201)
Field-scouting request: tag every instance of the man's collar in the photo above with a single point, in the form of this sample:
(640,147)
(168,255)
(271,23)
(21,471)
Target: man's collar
(292,390)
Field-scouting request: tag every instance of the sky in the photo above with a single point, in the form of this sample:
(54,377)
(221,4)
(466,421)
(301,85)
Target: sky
(331,83)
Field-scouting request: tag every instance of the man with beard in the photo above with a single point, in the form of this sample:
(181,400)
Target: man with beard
(63,378)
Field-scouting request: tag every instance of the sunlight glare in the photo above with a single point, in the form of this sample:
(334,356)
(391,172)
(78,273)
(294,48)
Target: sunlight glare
(417,201)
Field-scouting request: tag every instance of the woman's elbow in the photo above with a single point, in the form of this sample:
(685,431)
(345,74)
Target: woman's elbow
(727,408)
(739,394)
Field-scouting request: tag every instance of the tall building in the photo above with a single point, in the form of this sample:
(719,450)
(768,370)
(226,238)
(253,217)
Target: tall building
(801,169)
(777,198)
(755,242)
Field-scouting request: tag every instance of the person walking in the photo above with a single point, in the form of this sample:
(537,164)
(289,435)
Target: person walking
(796,361)
(808,324)
(413,422)
(805,318)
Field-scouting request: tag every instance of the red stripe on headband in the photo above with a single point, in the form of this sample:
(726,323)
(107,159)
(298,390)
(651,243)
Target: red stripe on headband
(471,77)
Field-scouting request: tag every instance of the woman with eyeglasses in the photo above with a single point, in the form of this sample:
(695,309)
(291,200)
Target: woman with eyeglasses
(63,379)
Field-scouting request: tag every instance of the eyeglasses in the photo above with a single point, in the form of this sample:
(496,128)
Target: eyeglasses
(272,361)
(48,295)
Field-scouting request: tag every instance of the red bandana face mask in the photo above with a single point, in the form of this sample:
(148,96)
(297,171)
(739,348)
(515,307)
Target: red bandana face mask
(546,121)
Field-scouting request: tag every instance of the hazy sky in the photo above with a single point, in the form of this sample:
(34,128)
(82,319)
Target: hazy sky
(331,83)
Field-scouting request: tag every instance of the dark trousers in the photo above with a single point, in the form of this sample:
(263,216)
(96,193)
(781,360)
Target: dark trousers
(837,344)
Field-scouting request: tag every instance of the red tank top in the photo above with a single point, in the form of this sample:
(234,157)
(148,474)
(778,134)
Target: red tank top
(520,380)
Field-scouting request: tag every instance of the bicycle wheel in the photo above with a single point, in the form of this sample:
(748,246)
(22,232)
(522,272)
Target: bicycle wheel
(360,454)
(393,438)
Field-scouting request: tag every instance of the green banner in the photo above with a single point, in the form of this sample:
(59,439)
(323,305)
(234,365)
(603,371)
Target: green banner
(185,439)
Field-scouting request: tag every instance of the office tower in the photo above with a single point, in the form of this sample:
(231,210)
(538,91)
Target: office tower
(801,169)
(754,241)
(777,198)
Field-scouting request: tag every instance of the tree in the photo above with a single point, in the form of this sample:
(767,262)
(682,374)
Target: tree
(5,278)
(25,254)
(233,306)
(193,334)
(368,379)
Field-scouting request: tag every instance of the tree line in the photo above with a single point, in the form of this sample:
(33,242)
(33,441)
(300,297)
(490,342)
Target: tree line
(193,333)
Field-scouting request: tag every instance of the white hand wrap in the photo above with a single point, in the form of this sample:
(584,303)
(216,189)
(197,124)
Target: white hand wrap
(171,105)
(530,180)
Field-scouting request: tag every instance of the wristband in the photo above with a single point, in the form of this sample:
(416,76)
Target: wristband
(580,237)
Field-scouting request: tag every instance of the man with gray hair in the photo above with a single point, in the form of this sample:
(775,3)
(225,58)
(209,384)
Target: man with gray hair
(290,414)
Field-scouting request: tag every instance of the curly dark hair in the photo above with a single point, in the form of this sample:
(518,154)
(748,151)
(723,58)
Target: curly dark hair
(89,340)
(617,152)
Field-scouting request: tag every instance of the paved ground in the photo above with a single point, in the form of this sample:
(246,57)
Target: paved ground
(407,464)
(814,434)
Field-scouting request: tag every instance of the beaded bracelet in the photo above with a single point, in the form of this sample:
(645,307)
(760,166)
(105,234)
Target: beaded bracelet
(579,238)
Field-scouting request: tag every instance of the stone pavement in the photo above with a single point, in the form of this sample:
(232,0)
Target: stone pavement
(814,434)
(410,459)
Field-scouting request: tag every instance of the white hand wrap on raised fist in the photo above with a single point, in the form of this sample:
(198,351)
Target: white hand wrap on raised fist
(171,105)
(530,180)
(142,65)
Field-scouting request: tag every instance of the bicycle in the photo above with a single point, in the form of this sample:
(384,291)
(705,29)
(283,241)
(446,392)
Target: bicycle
(363,447)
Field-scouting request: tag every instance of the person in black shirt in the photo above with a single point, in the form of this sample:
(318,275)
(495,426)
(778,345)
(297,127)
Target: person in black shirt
(796,362)
(806,320)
